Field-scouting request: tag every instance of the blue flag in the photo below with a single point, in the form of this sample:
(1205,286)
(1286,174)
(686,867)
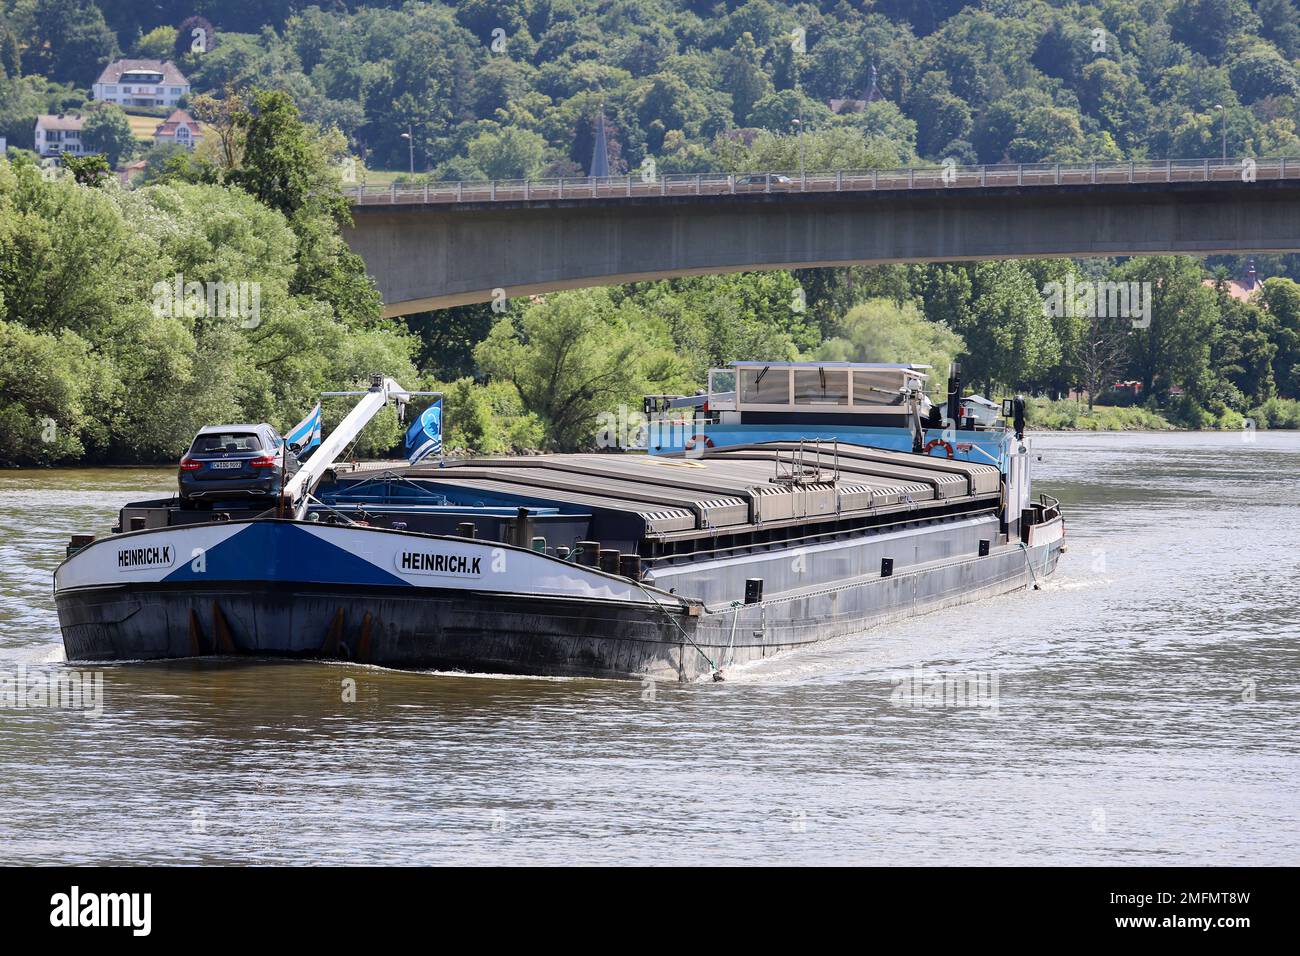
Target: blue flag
(306,434)
(424,437)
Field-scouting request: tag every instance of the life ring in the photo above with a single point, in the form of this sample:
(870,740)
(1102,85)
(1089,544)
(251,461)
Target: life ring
(938,443)
(694,439)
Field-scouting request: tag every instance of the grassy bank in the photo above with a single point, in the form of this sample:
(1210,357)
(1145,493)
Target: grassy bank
(1068,415)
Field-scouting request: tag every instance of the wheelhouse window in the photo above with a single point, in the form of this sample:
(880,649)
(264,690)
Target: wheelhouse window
(872,387)
(821,386)
(765,386)
(722,389)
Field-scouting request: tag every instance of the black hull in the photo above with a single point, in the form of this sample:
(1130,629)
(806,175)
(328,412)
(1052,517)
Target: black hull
(429,630)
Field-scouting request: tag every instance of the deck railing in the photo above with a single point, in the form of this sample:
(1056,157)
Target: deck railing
(855,180)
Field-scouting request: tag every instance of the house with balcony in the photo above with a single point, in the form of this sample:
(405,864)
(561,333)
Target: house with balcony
(149,83)
(180,128)
(56,135)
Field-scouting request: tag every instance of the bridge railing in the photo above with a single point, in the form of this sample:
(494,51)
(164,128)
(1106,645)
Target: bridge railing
(948,176)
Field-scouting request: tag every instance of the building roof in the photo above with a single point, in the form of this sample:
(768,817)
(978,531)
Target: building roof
(130,169)
(847,105)
(171,75)
(63,121)
(169,126)
(1240,289)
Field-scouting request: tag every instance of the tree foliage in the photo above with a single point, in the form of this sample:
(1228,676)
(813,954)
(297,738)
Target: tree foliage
(107,131)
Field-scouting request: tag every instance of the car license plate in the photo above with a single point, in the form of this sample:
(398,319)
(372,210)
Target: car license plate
(225,464)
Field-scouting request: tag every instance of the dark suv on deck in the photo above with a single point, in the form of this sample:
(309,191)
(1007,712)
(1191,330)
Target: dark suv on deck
(235,461)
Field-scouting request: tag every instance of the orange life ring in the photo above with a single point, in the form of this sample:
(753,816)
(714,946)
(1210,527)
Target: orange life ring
(691,442)
(938,443)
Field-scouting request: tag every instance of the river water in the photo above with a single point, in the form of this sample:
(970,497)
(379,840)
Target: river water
(1143,707)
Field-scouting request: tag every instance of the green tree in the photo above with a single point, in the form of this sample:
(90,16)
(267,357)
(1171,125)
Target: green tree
(10,53)
(879,330)
(1049,133)
(942,116)
(743,77)
(70,42)
(1009,338)
(507,154)
(1281,297)
(87,296)
(714,320)
(1207,26)
(89,170)
(1243,348)
(1259,71)
(53,388)
(469,420)
(291,167)
(571,357)
(840,147)
(157,44)
(281,166)
(778,111)
(168,161)
(107,131)
(1174,348)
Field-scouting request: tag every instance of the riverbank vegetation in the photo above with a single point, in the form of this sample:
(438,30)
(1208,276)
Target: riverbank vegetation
(100,362)
(1200,359)
(1070,414)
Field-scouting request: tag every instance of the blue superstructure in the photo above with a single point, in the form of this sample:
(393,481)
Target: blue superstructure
(879,405)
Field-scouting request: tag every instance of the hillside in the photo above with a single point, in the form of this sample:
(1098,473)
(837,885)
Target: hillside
(511,88)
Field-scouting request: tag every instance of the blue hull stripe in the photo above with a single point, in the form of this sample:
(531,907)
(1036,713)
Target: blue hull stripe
(267,551)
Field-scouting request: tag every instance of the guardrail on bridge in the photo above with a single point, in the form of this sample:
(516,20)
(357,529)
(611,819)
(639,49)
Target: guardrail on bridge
(858,180)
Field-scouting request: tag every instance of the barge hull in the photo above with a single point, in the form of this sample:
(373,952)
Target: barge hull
(430,630)
(490,632)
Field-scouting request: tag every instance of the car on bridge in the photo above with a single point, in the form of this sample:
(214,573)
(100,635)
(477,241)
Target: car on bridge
(762,182)
(235,461)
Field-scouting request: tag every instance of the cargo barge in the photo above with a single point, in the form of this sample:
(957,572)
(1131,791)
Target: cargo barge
(758,518)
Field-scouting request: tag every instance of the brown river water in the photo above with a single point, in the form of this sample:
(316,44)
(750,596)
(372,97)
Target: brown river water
(1143,707)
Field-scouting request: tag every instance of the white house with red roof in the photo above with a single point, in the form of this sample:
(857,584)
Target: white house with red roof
(180,128)
(141,83)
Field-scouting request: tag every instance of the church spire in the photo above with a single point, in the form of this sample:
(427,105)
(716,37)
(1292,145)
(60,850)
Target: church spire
(600,149)
(873,93)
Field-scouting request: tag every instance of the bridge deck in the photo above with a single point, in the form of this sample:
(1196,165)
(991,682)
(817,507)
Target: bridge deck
(636,185)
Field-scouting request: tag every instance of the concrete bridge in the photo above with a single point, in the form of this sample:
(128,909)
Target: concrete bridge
(445,244)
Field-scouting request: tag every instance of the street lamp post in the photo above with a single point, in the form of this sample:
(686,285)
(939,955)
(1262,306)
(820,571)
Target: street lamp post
(798,125)
(1223,126)
(410,143)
